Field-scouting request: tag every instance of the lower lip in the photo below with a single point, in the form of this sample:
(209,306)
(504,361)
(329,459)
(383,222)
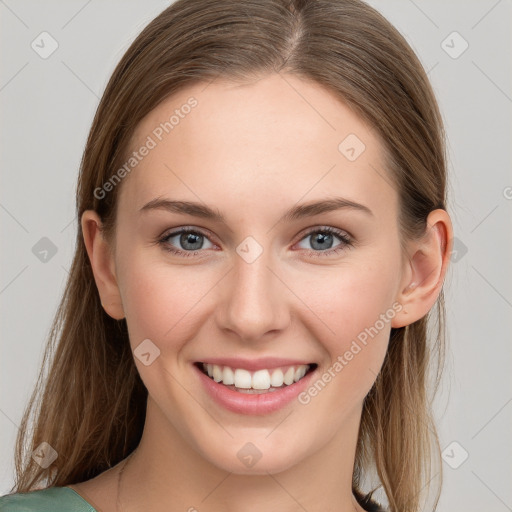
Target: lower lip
(253,404)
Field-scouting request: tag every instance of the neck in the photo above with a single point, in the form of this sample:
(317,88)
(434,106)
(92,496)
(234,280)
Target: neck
(166,473)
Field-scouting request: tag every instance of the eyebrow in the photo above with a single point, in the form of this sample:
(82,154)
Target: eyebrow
(297,212)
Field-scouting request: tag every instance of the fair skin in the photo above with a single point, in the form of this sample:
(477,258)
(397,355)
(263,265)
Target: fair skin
(253,152)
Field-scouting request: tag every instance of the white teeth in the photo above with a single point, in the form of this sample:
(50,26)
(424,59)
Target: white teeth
(277,378)
(242,378)
(228,377)
(299,373)
(217,373)
(261,379)
(288,376)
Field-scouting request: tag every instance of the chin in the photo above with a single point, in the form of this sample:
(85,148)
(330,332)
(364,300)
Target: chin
(257,457)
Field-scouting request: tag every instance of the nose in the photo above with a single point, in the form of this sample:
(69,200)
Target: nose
(255,300)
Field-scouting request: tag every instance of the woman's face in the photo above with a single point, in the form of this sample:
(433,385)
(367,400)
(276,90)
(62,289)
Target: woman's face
(265,287)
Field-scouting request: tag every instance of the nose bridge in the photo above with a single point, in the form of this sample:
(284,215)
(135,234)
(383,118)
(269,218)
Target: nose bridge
(255,303)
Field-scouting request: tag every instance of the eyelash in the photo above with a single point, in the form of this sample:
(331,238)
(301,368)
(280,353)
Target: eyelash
(347,241)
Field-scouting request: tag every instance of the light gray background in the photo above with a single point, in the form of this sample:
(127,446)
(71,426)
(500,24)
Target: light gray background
(48,106)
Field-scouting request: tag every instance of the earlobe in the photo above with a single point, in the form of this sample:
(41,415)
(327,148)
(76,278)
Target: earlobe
(426,270)
(103,264)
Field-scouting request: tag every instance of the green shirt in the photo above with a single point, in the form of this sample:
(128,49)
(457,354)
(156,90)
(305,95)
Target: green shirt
(52,499)
(65,499)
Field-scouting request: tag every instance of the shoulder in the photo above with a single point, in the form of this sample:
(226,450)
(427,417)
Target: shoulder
(52,499)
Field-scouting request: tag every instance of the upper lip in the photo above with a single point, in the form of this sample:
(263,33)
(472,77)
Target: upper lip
(253,364)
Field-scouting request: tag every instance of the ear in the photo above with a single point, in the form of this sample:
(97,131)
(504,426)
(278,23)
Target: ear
(425,270)
(102,263)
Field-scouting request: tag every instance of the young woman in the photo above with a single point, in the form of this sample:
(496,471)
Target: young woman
(263,241)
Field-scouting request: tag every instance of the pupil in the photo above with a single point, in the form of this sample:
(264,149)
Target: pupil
(185,240)
(321,239)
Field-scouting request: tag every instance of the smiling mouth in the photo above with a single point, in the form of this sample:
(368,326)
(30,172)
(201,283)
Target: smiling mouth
(256,382)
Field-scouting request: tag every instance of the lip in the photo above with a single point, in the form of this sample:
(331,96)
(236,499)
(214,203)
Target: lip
(253,404)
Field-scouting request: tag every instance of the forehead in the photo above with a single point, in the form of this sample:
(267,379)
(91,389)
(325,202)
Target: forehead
(280,138)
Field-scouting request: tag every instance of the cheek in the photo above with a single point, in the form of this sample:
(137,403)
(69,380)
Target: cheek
(354,312)
(158,302)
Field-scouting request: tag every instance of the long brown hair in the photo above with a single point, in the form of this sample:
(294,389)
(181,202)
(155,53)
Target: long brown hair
(90,406)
